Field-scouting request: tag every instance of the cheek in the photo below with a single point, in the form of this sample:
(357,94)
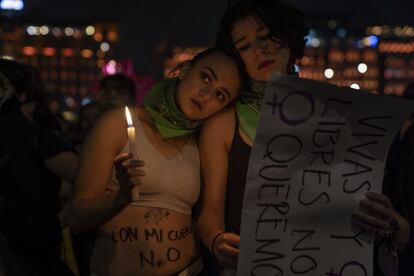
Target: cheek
(247,57)
(249,61)
(210,110)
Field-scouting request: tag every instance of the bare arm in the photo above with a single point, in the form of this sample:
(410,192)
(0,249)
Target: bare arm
(64,165)
(91,206)
(215,140)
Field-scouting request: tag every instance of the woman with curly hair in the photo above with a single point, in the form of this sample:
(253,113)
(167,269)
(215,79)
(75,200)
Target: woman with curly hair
(268,36)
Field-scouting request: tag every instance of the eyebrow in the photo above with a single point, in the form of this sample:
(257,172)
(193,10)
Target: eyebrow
(215,78)
(211,72)
(260,28)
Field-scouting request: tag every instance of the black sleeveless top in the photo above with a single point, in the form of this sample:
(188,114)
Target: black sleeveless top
(236,180)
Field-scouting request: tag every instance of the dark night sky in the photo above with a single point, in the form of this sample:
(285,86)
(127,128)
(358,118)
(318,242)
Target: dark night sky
(146,23)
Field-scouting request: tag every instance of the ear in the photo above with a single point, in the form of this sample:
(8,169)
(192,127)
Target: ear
(184,69)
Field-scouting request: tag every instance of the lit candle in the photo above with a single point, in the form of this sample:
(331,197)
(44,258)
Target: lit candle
(132,149)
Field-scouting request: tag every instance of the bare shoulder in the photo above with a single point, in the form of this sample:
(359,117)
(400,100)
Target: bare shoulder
(114,117)
(220,127)
(109,130)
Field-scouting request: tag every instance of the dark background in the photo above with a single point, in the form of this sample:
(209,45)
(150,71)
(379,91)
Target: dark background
(149,27)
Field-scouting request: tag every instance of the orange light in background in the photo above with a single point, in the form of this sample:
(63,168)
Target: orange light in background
(100,63)
(29,51)
(112,36)
(86,53)
(68,52)
(77,33)
(98,37)
(305,60)
(100,54)
(49,51)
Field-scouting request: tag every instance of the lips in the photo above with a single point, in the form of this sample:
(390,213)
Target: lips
(264,64)
(196,103)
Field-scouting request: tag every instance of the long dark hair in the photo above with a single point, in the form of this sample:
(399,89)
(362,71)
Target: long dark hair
(286,24)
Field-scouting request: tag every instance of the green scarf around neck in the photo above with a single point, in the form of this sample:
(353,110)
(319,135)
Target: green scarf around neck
(166,115)
(249,106)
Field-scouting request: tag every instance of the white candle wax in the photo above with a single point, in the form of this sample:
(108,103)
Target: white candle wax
(131,141)
(132,149)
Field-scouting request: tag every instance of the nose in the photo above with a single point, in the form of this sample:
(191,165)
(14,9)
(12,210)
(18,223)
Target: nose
(206,92)
(261,47)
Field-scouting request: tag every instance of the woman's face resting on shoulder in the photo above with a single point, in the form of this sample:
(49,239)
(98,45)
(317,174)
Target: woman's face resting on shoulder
(260,54)
(211,83)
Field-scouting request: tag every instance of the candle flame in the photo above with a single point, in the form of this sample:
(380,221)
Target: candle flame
(128,117)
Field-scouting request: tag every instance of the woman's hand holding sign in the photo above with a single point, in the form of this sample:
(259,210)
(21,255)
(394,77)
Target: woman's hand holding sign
(376,215)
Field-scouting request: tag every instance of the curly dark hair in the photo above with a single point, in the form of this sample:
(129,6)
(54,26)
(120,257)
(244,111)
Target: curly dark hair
(285,22)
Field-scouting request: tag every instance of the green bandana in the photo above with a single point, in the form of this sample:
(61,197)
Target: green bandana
(168,118)
(248,107)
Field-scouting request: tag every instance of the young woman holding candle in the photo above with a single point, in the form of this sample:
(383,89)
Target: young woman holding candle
(268,36)
(152,235)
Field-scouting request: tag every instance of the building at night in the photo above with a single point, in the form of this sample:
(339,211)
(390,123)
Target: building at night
(379,59)
(69,57)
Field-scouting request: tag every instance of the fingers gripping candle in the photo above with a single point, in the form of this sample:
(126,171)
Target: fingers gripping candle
(132,147)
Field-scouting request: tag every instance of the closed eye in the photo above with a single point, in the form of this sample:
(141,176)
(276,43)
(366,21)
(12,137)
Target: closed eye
(243,48)
(264,37)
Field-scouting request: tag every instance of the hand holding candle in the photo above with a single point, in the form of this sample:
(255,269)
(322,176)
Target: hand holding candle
(132,147)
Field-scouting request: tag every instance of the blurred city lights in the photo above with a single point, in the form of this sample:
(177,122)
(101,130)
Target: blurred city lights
(362,68)
(315,42)
(112,36)
(44,30)
(49,51)
(7,57)
(56,31)
(329,73)
(90,30)
(68,31)
(32,30)
(355,86)
(309,37)
(332,24)
(86,101)
(69,116)
(68,52)
(16,5)
(86,53)
(341,32)
(76,33)
(29,51)
(69,101)
(98,37)
(372,41)
(110,67)
(297,68)
(104,46)
(360,44)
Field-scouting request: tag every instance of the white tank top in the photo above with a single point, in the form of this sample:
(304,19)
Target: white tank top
(172,183)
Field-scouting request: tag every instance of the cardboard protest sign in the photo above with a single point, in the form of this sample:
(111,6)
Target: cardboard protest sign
(318,150)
